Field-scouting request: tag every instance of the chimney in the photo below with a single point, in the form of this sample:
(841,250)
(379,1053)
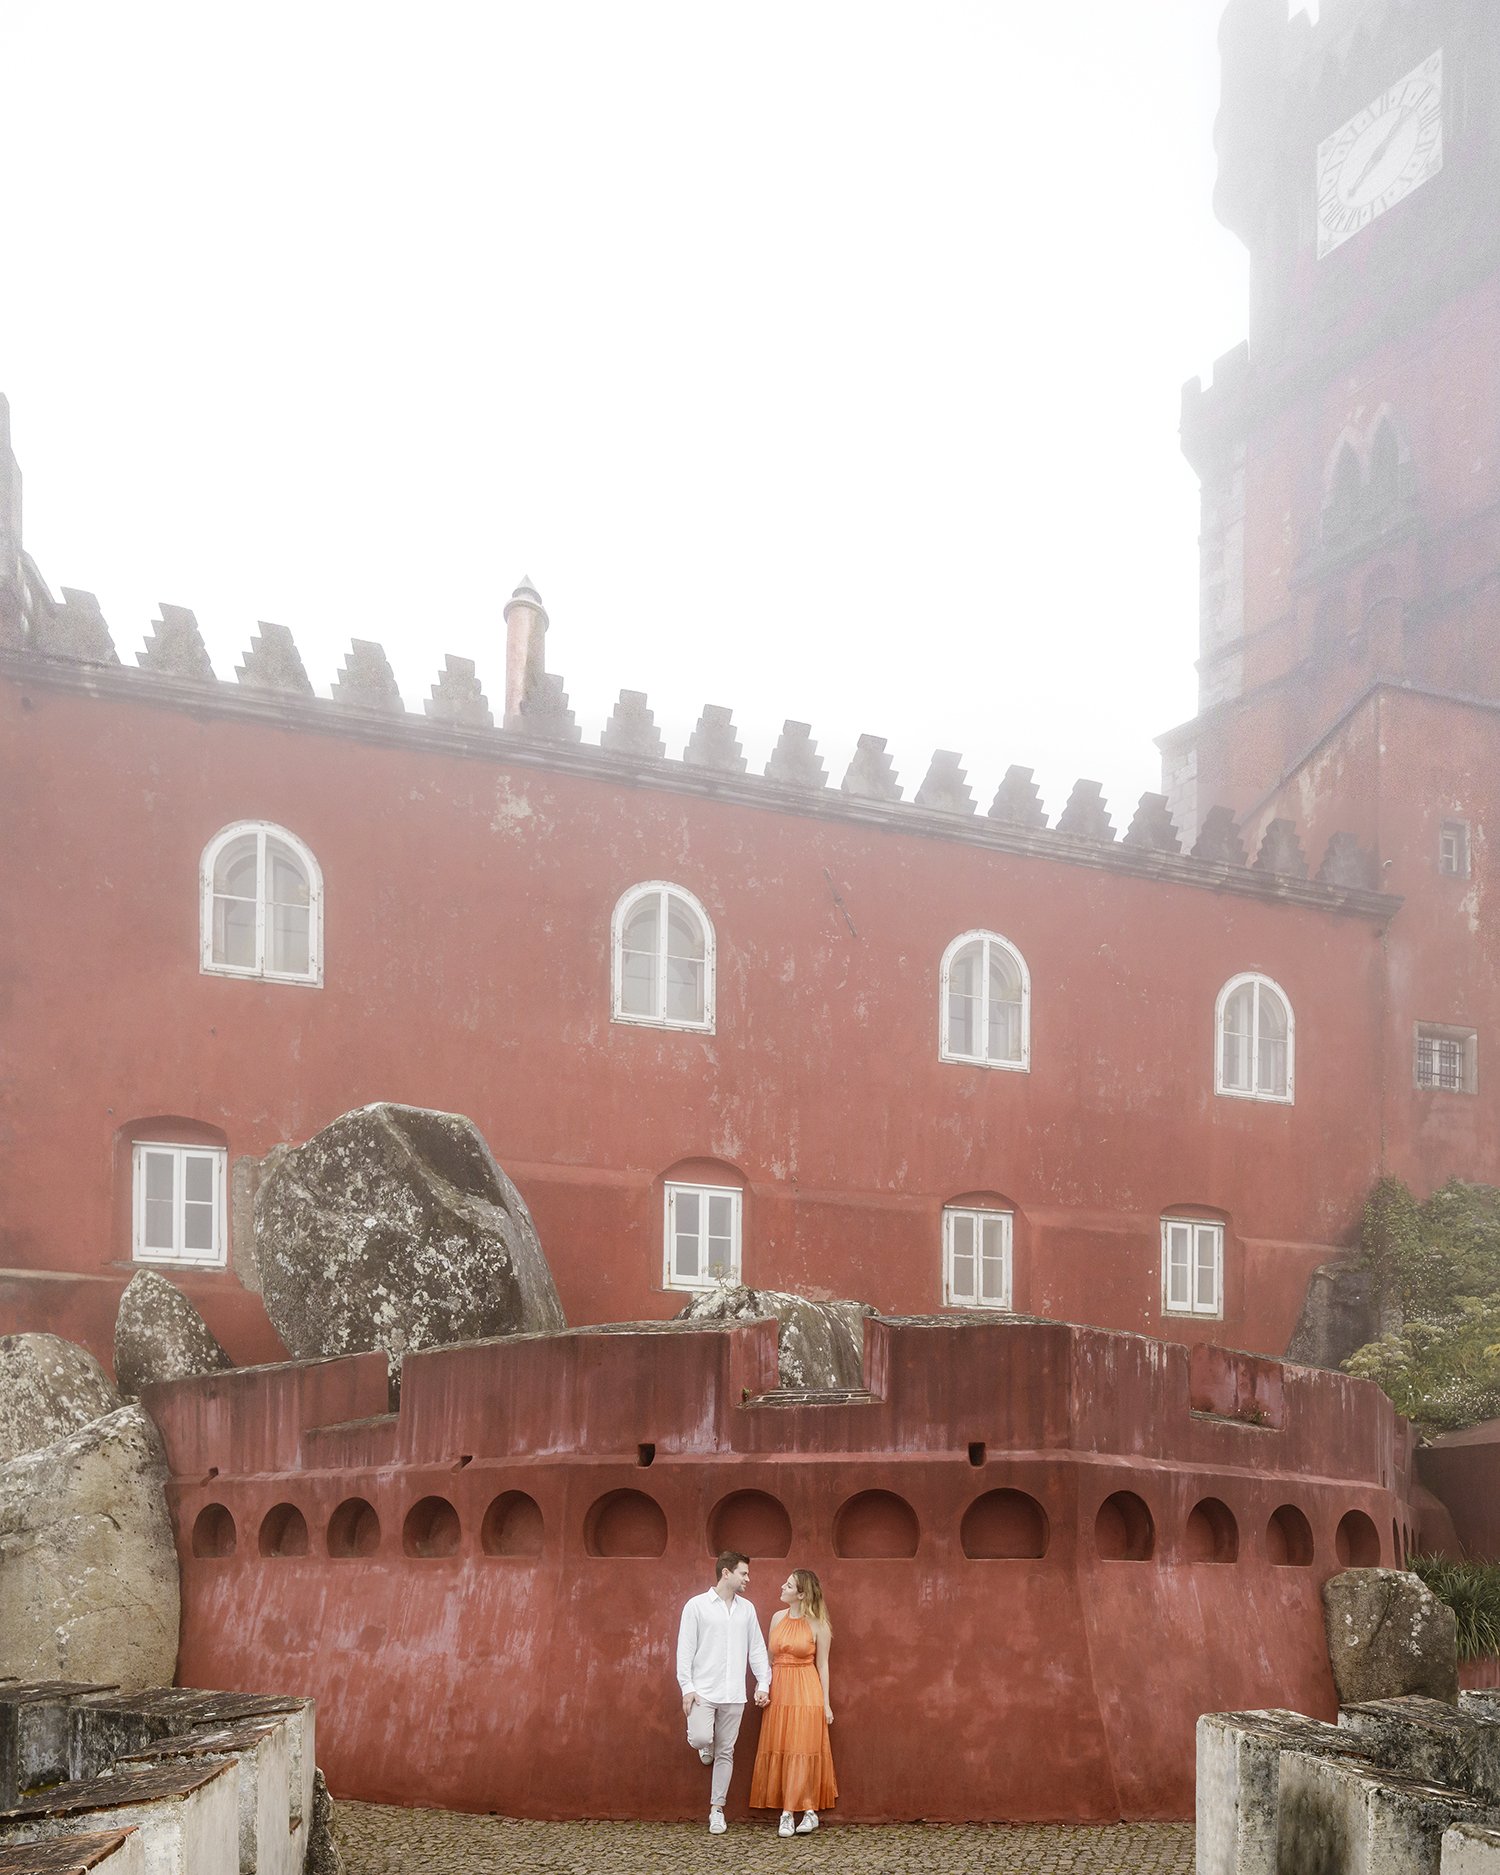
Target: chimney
(525,647)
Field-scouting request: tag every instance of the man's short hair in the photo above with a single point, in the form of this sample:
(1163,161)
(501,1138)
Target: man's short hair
(729,1560)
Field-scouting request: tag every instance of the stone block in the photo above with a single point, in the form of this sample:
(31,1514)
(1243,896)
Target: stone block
(714,744)
(273,662)
(175,648)
(260,1752)
(34,1734)
(1388,1635)
(1431,1741)
(457,696)
(104,1852)
(1219,839)
(820,1345)
(1239,1784)
(631,729)
(1086,813)
(187,1817)
(1471,1849)
(795,761)
(870,775)
(1339,1816)
(945,786)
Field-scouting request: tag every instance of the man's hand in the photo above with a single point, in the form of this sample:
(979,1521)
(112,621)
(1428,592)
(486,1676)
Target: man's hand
(762,1696)
(689,1700)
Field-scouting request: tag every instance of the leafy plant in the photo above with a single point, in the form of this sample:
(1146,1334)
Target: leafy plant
(1436,1272)
(1472,1591)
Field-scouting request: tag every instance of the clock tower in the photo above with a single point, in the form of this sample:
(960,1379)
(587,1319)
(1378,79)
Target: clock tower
(1349,452)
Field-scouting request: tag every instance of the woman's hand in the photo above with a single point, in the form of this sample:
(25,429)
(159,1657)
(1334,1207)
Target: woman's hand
(828,1714)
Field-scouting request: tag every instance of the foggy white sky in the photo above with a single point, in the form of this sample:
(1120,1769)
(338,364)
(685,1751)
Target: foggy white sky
(819,359)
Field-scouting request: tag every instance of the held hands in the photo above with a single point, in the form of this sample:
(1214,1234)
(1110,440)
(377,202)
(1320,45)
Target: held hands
(762,1696)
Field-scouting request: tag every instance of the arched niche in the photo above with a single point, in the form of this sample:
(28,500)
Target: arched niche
(1356,1542)
(876,1526)
(1211,1534)
(283,1531)
(751,1521)
(214,1533)
(431,1528)
(1123,1529)
(1289,1538)
(625,1523)
(512,1526)
(354,1529)
(1005,1526)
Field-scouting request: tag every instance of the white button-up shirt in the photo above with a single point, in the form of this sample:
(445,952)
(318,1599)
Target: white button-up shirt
(715,1643)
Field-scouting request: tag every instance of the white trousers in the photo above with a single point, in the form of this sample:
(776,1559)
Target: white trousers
(716,1728)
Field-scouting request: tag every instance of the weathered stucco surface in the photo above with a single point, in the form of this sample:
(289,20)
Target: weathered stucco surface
(394,1228)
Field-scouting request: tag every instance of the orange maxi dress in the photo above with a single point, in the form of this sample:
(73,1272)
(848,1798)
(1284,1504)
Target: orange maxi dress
(793,1762)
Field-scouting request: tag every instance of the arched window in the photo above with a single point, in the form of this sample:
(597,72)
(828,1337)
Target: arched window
(1254,1040)
(1385,467)
(262,905)
(663,945)
(1344,495)
(985,1013)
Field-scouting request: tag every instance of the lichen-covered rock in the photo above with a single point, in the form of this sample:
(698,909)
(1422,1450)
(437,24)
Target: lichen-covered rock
(87,1558)
(1388,1635)
(48,1387)
(1338,1316)
(159,1335)
(820,1345)
(394,1228)
(323,1857)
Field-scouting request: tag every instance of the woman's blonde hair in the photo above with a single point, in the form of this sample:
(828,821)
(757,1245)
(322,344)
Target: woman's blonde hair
(814,1608)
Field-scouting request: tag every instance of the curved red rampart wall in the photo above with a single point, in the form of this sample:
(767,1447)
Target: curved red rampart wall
(1064,1685)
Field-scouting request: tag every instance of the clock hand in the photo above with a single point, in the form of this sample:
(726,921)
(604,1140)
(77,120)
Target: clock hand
(1378,154)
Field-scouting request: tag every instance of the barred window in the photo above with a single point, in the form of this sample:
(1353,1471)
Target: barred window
(1446,1058)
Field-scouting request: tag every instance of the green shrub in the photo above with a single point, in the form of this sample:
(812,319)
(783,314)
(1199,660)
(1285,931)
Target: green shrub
(1472,1591)
(1436,1271)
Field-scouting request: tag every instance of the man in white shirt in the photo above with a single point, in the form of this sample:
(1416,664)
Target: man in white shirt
(718,1637)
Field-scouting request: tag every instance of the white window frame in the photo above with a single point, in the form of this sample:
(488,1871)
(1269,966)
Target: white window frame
(983,1058)
(178,1257)
(979,1215)
(666,891)
(1261,982)
(671,1279)
(1191,1300)
(1453,842)
(263,830)
(1467,1039)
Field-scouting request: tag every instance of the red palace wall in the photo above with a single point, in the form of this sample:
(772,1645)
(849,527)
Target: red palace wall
(1059,1641)
(469,880)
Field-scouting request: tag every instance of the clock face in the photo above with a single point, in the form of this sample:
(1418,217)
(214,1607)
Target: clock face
(1381,155)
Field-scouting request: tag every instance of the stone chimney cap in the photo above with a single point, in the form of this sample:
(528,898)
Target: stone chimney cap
(525,594)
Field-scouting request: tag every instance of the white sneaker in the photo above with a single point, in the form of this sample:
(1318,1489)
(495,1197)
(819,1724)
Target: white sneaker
(787,1826)
(808,1824)
(706,1753)
(716,1823)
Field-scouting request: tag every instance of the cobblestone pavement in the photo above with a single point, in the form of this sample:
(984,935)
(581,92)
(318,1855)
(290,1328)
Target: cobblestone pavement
(378,1840)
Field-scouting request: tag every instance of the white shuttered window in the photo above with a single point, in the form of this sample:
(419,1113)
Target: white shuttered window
(1192,1260)
(179,1208)
(703,1236)
(976,1259)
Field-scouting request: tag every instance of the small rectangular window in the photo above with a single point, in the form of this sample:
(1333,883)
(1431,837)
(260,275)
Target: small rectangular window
(1192,1267)
(702,1236)
(976,1259)
(178,1204)
(1453,848)
(1447,1058)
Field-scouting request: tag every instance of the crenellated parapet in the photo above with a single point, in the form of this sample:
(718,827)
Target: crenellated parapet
(69,641)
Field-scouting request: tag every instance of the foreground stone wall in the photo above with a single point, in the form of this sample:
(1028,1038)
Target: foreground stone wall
(1070,1540)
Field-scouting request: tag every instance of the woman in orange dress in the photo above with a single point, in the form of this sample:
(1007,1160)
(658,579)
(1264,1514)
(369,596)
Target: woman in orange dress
(793,1763)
